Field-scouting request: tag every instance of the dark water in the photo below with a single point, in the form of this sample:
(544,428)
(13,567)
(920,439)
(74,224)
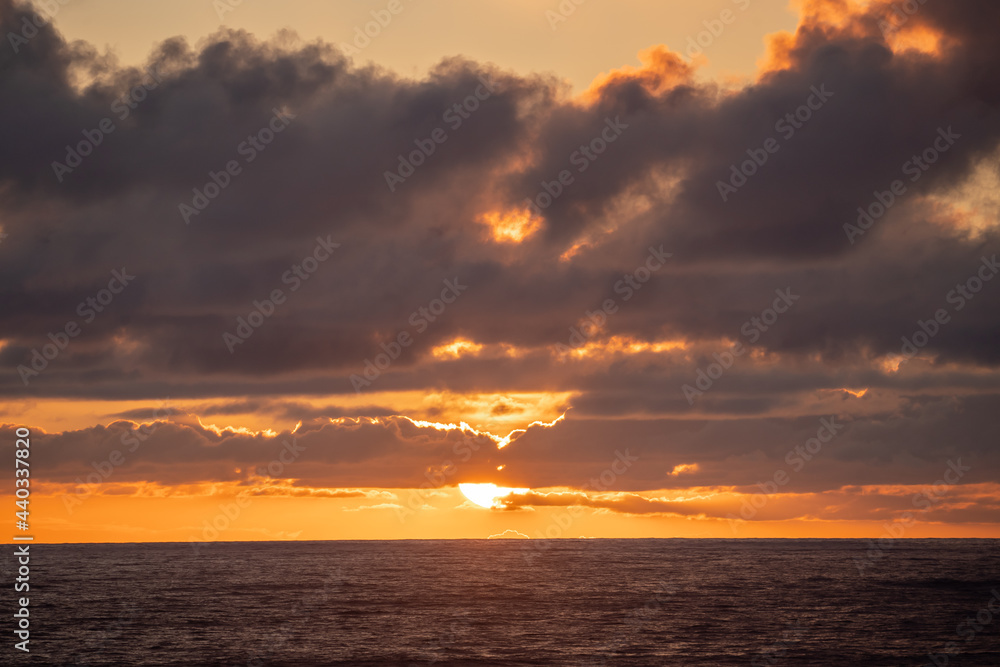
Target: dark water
(577,602)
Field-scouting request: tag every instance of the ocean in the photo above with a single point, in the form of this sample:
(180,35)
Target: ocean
(515,602)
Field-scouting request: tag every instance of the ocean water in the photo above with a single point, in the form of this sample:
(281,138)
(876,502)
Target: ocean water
(513,602)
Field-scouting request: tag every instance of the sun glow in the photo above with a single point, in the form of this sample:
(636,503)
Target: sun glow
(487,495)
(625,345)
(683,468)
(511,226)
(457,348)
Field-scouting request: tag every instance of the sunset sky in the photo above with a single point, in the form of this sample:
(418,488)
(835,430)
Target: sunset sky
(652,269)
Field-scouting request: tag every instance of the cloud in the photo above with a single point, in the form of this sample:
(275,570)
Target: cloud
(633,455)
(962,504)
(120,206)
(509,534)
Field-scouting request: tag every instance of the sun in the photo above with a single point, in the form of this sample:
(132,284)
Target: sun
(487,495)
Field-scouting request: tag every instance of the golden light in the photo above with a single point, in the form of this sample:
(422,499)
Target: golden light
(243,430)
(517,433)
(572,251)
(497,413)
(682,468)
(455,349)
(624,345)
(920,38)
(839,16)
(512,226)
(660,71)
(487,495)
(890,364)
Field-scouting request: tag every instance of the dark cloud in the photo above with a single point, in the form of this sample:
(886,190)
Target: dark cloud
(817,452)
(323,177)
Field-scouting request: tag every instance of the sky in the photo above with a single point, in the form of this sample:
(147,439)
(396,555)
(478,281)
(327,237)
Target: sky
(501,269)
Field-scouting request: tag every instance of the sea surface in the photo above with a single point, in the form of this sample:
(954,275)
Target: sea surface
(514,602)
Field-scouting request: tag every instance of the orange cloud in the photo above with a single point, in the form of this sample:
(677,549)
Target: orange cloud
(858,19)
(661,70)
(511,226)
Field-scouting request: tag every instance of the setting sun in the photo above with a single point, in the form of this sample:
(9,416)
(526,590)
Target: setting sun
(487,495)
